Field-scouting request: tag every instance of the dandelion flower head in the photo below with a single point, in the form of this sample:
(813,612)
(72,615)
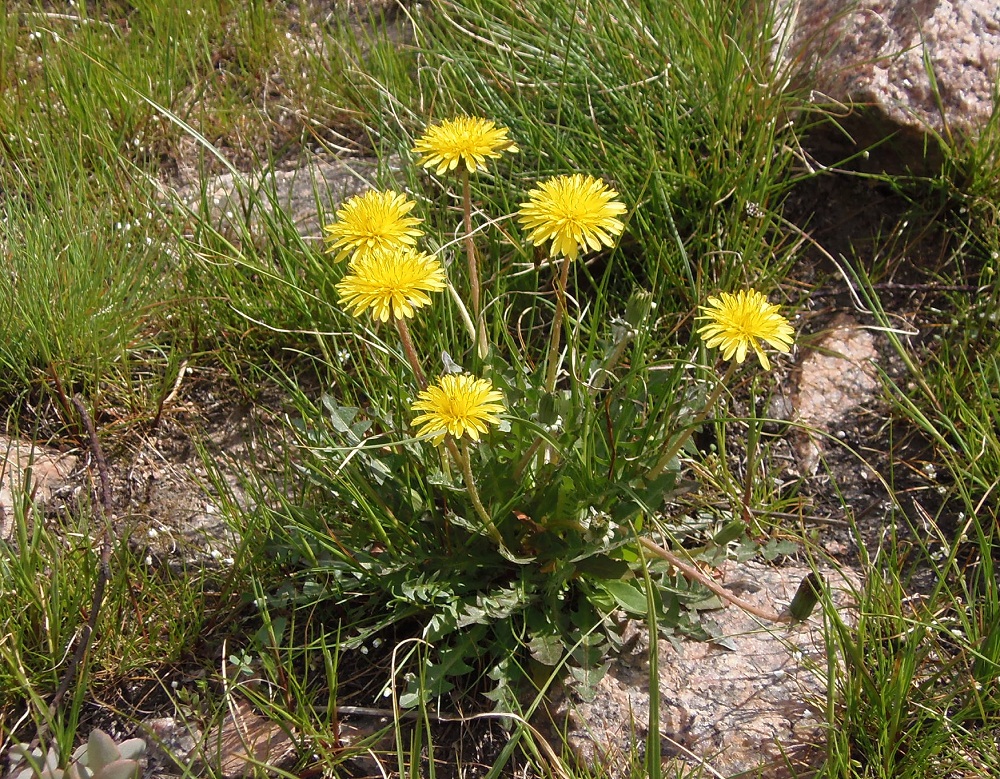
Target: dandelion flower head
(391,283)
(739,322)
(466,140)
(577,212)
(374,221)
(457,404)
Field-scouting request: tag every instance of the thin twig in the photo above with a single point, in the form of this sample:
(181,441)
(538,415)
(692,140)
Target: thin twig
(692,573)
(104,572)
(893,286)
(95,446)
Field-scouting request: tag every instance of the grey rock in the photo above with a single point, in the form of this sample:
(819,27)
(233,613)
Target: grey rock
(872,52)
(26,468)
(308,195)
(234,748)
(243,742)
(833,379)
(172,744)
(757,703)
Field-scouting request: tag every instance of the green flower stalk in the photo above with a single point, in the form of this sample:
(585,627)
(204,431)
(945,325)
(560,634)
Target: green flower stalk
(736,323)
(465,142)
(461,407)
(393,284)
(576,213)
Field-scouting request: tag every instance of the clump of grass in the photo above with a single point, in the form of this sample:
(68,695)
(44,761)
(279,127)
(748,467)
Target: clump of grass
(82,294)
(75,75)
(148,619)
(101,289)
(677,105)
(916,682)
(920,669)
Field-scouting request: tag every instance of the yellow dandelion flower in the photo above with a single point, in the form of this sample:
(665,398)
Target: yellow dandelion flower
(374,221)
(740,322)
(466,140)
(391,283)
(457,404)
(576,212)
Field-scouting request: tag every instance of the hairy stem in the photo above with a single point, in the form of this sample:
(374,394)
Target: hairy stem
(409,351)
(552,364)
(464,461)
(482,345)
(470,246)
(675,446)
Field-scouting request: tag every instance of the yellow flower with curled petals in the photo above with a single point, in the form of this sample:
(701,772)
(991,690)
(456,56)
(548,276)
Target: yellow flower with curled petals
(576,212)
(458,404)
(465,140)
(738,323)
(374,221)
(391,283)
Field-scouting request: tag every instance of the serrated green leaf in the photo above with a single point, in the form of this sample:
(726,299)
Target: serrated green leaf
(775,548)
(627,595)
(710,602)
(379,471)
(340,416)
(659,491)
(600,566)
(412,697)
(716,636)
(453,658)
(471,615)
(730,532)
(670,609)
(262,638)
(546,649)
(435,679)
(586,678)
(440,625)
(566,503)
